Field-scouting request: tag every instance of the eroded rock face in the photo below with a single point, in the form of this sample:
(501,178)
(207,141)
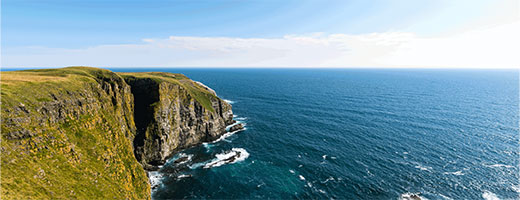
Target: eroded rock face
(173,120)
(93,131)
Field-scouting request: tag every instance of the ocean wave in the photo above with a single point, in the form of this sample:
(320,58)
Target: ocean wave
(226,135)
(499,165)
(327,180)
(411,196)
(230,157)
(487,195)
(241,118)
(457,173)
(301,177)
(423,168)
(516,188)
(155,178)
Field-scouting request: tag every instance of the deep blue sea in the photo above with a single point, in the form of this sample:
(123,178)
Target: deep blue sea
(357,134)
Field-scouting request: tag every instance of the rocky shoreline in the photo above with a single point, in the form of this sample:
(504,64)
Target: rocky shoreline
(103,129)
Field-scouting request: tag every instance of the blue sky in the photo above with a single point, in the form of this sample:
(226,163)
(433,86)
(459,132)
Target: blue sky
(56,27)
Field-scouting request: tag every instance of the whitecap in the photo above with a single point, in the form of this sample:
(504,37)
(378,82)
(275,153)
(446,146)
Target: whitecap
(405,152)
(241,118)
(323,192)
(299,156)
(516,188)
(333,158)
(324,157)
(411,196)
(292,171)
(300,166)
(445,197)
(230,157)
(423,168)
(487,195)
(328,179)
(499,165)
(301,177)
(457,173)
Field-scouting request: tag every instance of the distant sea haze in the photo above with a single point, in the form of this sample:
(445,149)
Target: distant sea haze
(355,134)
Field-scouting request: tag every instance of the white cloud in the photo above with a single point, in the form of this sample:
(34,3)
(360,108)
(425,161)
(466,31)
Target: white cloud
(495,47)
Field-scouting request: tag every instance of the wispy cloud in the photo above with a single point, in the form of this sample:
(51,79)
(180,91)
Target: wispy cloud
(493,47)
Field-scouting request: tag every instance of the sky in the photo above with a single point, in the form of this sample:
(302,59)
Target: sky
(261,33)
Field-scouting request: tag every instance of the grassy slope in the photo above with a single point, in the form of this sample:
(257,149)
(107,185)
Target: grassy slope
(85,156)
(198,92)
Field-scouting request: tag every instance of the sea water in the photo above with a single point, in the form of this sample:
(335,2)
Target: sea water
(355,134)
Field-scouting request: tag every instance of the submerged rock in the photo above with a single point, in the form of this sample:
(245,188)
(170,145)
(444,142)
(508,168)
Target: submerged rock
(236,127)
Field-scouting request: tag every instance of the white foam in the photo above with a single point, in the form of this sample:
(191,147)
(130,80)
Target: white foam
(324,157)
(423,168)
(457,173)
(226,135)
(236,123)
(183,176)
(300,166)
(292,171)
(516,188)
(411,196)
(229,101)
(323,192)
(240,154)
(499,165)
(445,197)
(197,165)
(241,118)
(155,178)
(333,158)
(487,195)
(301,177)
(182,155)
(328,179)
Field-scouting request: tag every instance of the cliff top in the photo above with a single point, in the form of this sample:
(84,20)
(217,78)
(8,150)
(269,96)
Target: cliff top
(28,82)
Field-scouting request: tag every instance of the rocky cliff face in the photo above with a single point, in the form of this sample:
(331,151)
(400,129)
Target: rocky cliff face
(170,115)
(87,133)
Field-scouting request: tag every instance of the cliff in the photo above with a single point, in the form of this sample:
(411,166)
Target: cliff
(85,133)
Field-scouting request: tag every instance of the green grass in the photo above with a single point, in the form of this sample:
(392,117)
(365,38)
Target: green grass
(199,93)
(85,156)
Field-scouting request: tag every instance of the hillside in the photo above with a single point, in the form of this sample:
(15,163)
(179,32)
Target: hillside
(81,132)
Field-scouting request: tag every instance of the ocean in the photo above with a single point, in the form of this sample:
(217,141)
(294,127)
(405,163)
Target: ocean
(355,134)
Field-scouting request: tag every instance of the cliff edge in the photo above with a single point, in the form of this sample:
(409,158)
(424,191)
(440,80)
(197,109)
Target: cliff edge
(81,132)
